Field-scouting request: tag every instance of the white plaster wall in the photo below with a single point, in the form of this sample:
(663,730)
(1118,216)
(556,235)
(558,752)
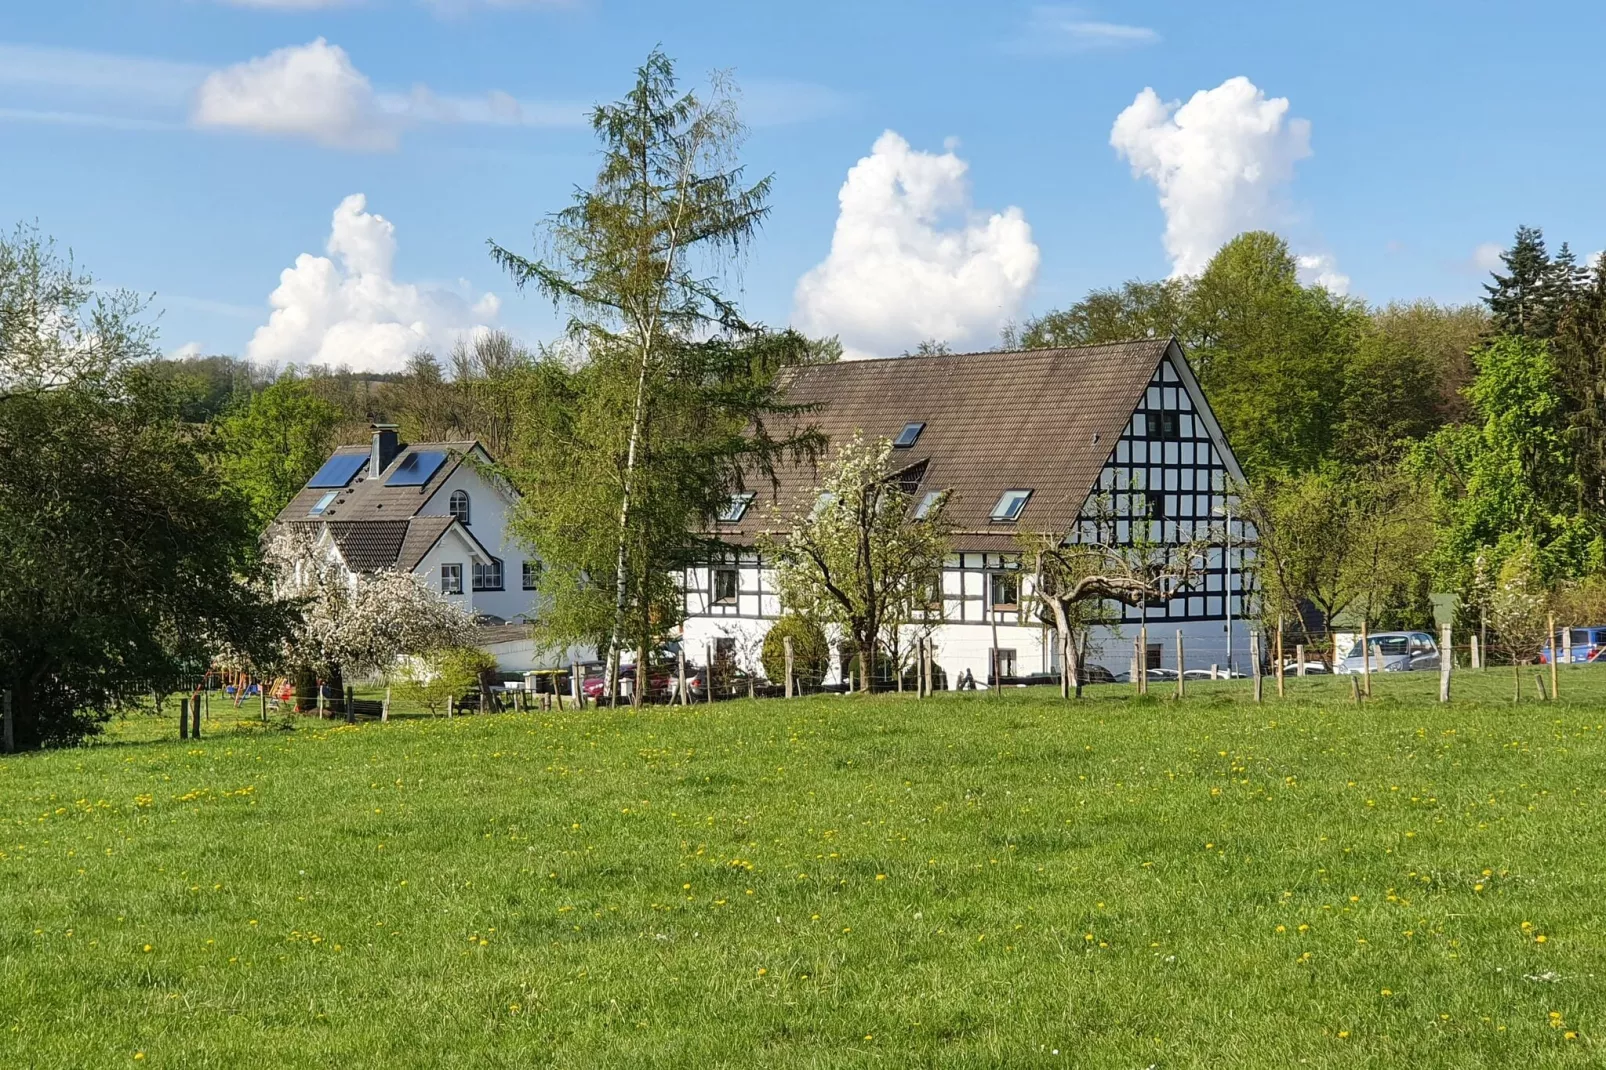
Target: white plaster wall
(451,549)
(489,511)
(522,655)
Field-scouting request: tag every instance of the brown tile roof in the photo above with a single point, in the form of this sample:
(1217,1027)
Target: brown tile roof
(1044,420)
(423,532)
(367,546)
(366,498)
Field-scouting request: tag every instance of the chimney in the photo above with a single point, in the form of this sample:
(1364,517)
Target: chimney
(386,446)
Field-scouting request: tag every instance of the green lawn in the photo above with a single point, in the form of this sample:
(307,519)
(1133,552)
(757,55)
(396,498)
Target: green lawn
(978,880)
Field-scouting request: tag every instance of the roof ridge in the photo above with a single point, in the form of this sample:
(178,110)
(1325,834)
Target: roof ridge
(1164,340)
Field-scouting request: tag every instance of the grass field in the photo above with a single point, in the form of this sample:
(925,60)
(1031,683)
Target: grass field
(977,880)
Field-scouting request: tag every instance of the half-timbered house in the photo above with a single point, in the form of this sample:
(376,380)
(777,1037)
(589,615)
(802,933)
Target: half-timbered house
(1042,442)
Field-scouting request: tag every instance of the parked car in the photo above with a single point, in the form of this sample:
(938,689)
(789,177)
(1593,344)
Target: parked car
(1205,674)
(1393,652)
(1582,645)
(1154,674)
(1311,667)
(663,681)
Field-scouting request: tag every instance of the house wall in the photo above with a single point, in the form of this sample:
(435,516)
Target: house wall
(490,509)
(451,549)
(964,633)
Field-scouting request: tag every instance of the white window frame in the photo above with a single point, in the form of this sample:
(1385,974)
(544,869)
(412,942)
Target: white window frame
(459,507)
(452,578)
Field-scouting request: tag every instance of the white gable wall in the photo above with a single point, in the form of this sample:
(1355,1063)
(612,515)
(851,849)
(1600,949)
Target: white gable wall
(490,509)
(452,549)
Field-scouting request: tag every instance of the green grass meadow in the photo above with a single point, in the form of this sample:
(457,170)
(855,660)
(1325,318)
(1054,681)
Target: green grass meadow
(975,880)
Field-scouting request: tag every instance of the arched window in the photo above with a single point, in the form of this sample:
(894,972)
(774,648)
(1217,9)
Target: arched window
(458,505)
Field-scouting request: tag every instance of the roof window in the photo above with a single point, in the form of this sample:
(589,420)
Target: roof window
(322,504)
(908,436)
(1010,505)
(736,508)
(928,503)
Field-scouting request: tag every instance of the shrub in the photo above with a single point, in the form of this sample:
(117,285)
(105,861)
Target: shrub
(811,653)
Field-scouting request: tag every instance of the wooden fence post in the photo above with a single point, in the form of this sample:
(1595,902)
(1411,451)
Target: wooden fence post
(1143,658)
(708,662)
(576,692)
(351,704)
(262,696)
(1446,659)
(1366,661)
(1137,645)
(1181,666)
(320,699)
(1254,663)
(1477,653)
(450,700)
(683,696)
(384,711)
(931,667)
(183,718)
(1555,656)
(786,644)
(1279,656)
(1214,668)
(195,719)
(8,731)
(1299,658)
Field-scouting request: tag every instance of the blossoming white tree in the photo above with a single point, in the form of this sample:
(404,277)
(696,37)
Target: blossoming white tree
(357,624)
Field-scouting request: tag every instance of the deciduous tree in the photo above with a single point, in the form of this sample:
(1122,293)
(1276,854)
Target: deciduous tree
(861,559)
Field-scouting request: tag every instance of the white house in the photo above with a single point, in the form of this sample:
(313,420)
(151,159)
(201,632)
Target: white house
(433,509)
(1042,442)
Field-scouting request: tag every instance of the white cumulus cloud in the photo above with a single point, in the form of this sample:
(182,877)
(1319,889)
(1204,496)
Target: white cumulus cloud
(310,90)
(1220,163)
(911,259)
(349,309)
(1322,270)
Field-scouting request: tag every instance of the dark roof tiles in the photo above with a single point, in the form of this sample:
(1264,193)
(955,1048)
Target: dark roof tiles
(1043,420)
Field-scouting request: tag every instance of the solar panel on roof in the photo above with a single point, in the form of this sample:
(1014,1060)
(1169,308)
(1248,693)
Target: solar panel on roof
(416,469)
(338,470)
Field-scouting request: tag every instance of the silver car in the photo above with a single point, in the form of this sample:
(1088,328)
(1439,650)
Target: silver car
(1393,652)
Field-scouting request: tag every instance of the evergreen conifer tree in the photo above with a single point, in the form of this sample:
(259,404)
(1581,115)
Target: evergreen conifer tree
(1517,300)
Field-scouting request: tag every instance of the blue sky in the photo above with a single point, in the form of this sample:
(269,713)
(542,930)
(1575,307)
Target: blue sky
(1414,138)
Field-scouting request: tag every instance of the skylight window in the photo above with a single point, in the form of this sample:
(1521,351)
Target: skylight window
(928,503)
(1010,505)
(908,436)
(323,503)
(736,508)
(824,502)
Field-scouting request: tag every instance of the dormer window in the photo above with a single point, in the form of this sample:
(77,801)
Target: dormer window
(323,503)
(908,436)
(457,506)
(736,508)
(928,503)
(1009,506)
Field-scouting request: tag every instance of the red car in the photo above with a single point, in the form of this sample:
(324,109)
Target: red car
(662,684)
